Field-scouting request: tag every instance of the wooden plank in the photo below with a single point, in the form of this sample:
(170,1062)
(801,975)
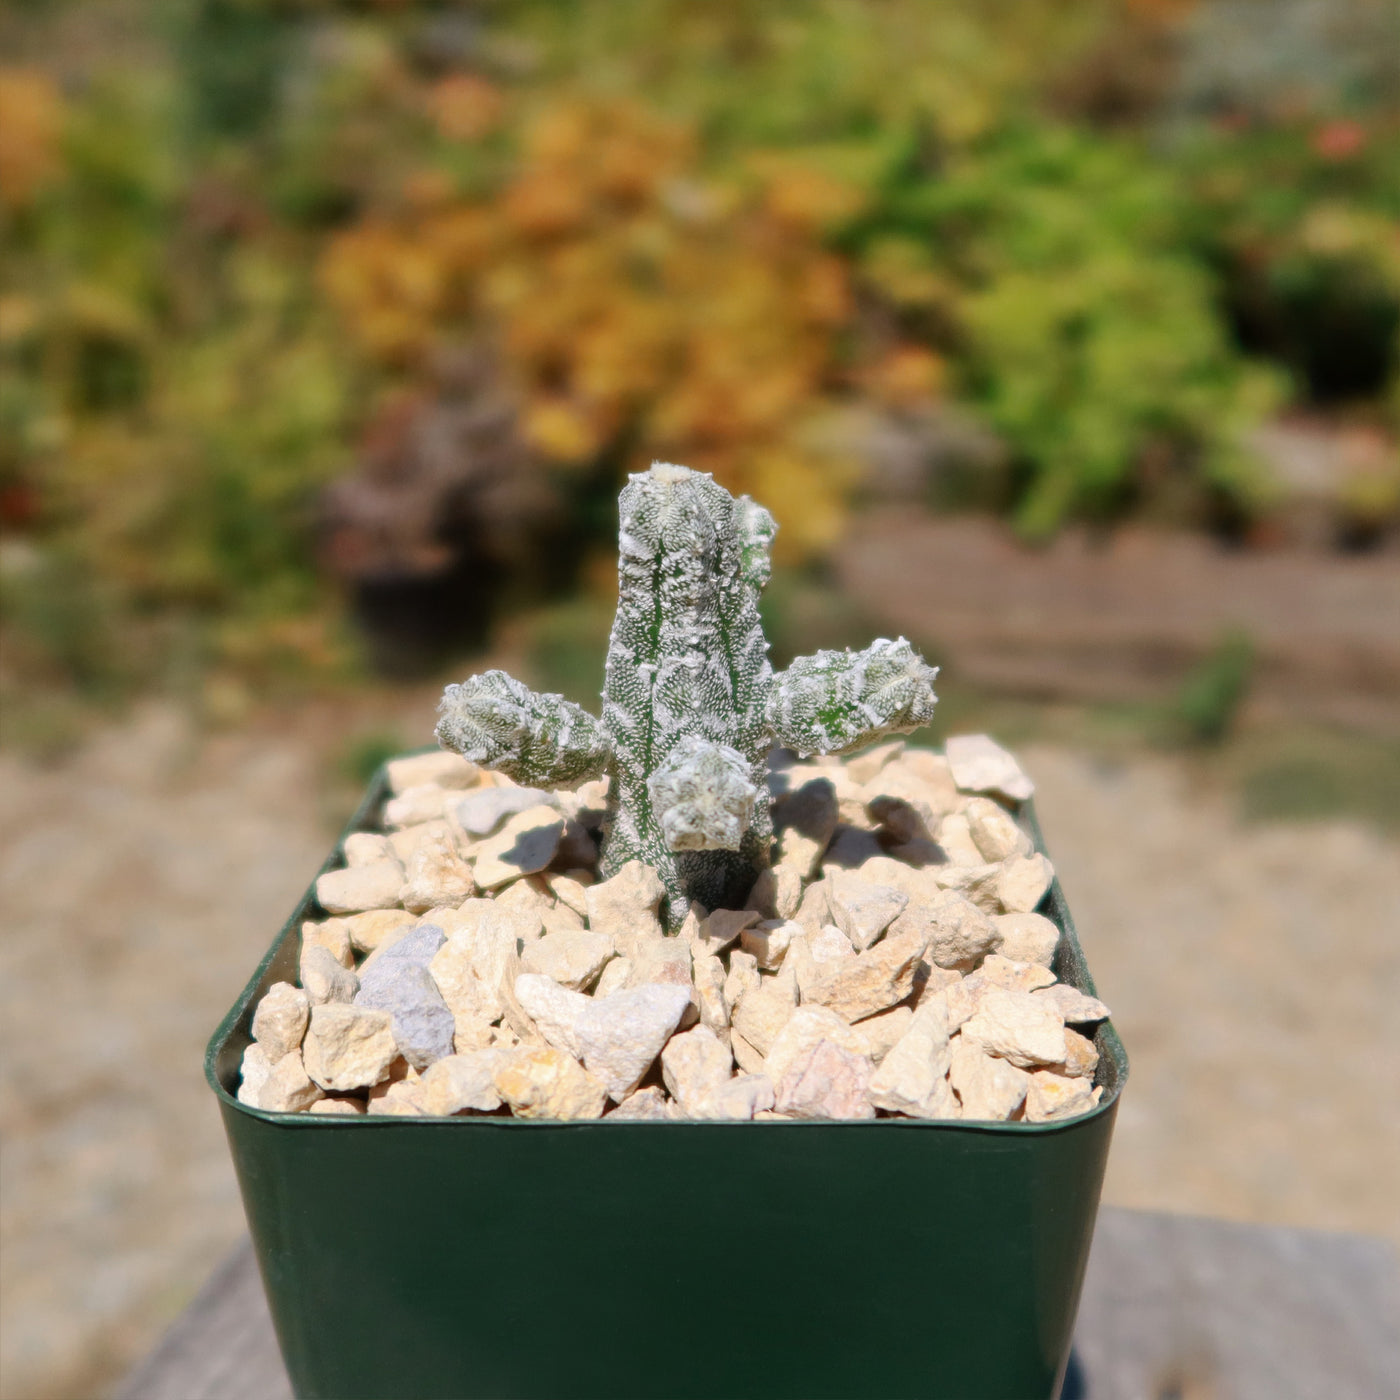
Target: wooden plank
(1181,1306)
(222,1347)
(1174,1308)
(1125,618)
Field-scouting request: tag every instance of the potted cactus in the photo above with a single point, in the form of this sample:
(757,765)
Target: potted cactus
(575,1066)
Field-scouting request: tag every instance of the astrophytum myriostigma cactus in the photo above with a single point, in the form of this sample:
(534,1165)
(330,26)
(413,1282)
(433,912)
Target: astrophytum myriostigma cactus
(691,705)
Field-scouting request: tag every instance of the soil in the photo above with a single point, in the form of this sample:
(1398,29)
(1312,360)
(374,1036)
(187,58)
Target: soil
(1252,968)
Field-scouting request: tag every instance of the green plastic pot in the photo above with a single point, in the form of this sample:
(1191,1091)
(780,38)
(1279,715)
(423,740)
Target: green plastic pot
(496,1257)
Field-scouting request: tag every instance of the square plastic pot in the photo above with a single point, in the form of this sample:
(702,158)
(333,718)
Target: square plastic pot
(497,1257)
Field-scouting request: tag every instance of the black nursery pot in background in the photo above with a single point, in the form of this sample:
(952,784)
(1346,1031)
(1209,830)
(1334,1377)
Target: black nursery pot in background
(499,1257)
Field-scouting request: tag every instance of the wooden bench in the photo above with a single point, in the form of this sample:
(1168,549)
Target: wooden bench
(1175,1307)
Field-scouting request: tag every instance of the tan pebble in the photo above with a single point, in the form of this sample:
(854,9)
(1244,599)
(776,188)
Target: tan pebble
(279,1023)
(569,892)
(694,1064)
(814,909)
(284,1087)
(366,848)
(1076,1007)
(826,1081)
(746,1056)
(886,870)
(718,929)
(348,1047)
(338,1108)
(875,980)
(615,976)
(912,1078)
(369,930)
(1027,938)
(658,959)
(979,764)
(620,1036)
(979,884)
(471,1032)
(334,936)
(777,892)
(554,1011)
(435,875)
(920,773)
(930,981)
(626,905)
(525,844)
(862,910)
(404,842)
(709,976)
(646,1105)
(738,1099)
(995,832)
(768,941)
(470,967)
(542,1082)
(956,933)
(1080,1056)
(395,1101)
(1023,883)
(514,1017)
(445,770)
(323,979)
(743,977)
(760,1015)
(425,802)
(562,919)
(955,838)
(864,766)
(884,1031)
(359,887)
(530,896)
(573,959)
(1018,1026)
(805,1027)
(459,1083)
(989,1089)
(1051,1097)
(1014,976)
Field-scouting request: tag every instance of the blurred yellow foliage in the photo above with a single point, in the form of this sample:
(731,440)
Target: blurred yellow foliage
(465,107)
(31,126)
(635,303)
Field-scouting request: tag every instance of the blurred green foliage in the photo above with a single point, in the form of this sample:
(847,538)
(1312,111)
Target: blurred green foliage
(233,230)
(1210,697)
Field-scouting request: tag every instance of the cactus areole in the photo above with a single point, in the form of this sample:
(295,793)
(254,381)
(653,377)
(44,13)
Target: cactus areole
(691,705)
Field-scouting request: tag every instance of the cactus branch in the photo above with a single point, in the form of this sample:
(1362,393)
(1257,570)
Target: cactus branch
(835,701)
(542,740)
(702,796)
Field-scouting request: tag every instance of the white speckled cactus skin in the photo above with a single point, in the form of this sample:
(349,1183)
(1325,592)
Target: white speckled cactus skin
(691,705)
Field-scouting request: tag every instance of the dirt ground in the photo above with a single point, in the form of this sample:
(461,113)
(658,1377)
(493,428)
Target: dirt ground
(1253,971)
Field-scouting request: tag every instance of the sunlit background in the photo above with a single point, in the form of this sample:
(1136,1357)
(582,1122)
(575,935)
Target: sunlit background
(1062,336)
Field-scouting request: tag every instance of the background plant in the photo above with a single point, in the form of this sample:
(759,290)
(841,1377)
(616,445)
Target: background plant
(239,236)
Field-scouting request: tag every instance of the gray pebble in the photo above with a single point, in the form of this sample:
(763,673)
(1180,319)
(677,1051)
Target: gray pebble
(423,1026)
